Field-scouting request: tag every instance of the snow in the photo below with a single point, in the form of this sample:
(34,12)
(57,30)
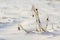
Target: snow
(14,12)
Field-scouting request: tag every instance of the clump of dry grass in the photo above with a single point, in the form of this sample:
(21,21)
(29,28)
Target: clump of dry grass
(39,26)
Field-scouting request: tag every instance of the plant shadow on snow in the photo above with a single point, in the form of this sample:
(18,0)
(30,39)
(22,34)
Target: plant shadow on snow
(48,33)
(53,34)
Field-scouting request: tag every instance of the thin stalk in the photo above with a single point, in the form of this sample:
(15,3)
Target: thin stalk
(47,20)
(25,29)
(37,19)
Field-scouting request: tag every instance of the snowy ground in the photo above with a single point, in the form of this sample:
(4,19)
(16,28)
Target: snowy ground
(14,12)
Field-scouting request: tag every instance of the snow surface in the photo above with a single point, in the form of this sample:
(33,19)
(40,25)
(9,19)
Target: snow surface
(14,12)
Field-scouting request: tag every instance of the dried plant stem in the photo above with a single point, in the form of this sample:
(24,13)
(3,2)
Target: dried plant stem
(47,23)
(37,19)
(25,29)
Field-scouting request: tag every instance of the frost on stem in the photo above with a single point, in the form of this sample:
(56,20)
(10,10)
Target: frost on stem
(47,19)
(24,29)
(35,10)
